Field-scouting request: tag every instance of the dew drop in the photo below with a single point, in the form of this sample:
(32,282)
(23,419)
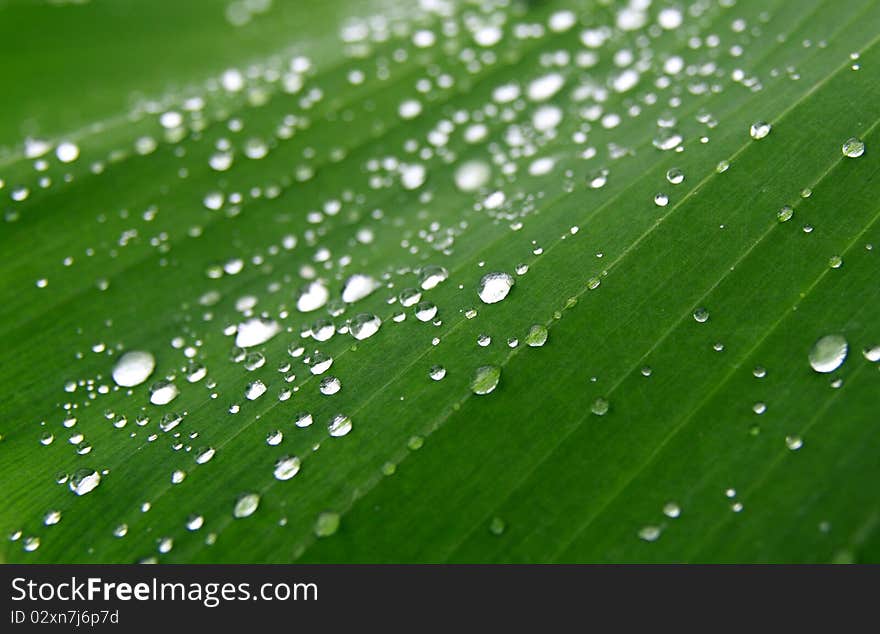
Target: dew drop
(853,147)
(494,287)
(364,325)
(675,176)
(246,505)
(133,368)
(255,332)
(599,407)
(759,130)
(486,379)
(650,533)
(437,372)
(537,336)
(339,425)
(828,353)
(701,315)
(84,481)
(326,524)
(330,385)
(286,467)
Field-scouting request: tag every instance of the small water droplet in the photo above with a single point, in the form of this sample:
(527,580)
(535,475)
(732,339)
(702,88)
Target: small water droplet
(330,385)
(671,510)
(163,392)
(785,213)
(794,442)
(437,372)
(701,315)
(650,533)
(497,526)
(675,176)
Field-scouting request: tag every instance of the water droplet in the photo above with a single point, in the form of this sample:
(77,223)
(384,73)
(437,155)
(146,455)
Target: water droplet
(599,407)
(364,325)
(169,421)
(121,530)
(537,336)
(84,481)
(483,340)
(785,213)
(256,331)
(661,200)
(245,505)
(274,438)
(872,353)
(486,379)
(759,130)
(675,176)
(312,297)
(828,353)
(650,533)
(357,287)
(425,311)
(30,544)
(255,390)
(254,361)
(472,175)
(194,522)
(794,442)
(671,510)
(497,526)
(178,476)
(701,315)
(326,524)
(286,467)
(330,385)
(204,454)
(437,372)
(853,147)
(339,425)
(303,419)
(494,287)
(835,261)
(133,368)
(51,518)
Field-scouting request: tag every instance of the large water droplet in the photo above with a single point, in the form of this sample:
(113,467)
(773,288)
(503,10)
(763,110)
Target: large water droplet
(339,425)
(364,325)
(163,392)
(486,379)
(853,147)
(84,481)
(537,336)
(357,287)
(133,368)
(828,353)
(286,467)
(256,331)
(759,130)
(494,287)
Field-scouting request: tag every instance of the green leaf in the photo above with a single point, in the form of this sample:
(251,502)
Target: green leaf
(681,207)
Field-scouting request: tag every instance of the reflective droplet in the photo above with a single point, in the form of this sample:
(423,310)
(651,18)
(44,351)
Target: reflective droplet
(661,200)
(650,533)
(794,442)
(872,353)
(326,524)
(320,363)
(835,261)
(84,481)
(701,315)
(204,454)
(339,425)
(169,421)
(163,392)
(599,407)
(51,518)
(312,297)
(425,311)
(178,476)
(286,467)
(303,419)
(194,522)
(330,385)
(245,505)
(255,390)
(364,326)
(494,287)
(853,147)
(828,353)
(357,287)
(274,438)
(409,297)
(537,336)
(486,379)
(785,213)
(759,130)
(671,510)
(133,368)
(255,332)
(30,544)
(675,176)
(437,372)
